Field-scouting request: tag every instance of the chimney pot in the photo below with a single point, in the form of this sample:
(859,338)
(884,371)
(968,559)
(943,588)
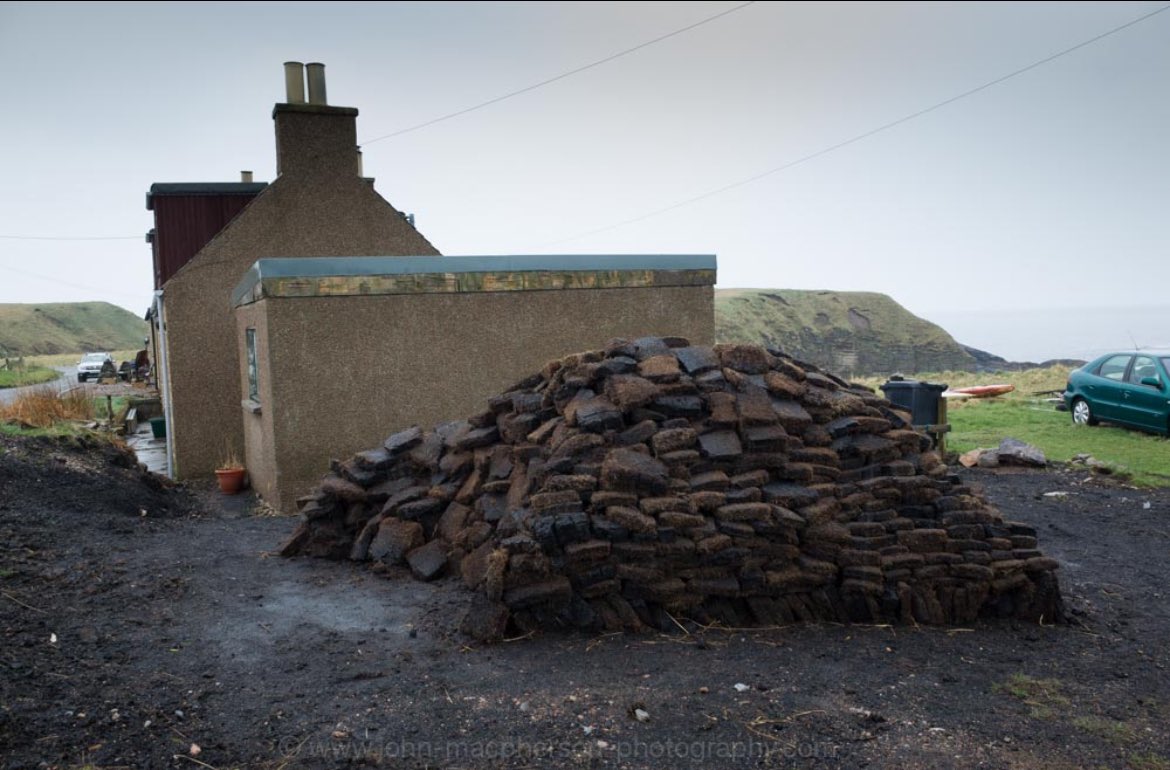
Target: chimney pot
(246,177)
(294,82)
(316,77)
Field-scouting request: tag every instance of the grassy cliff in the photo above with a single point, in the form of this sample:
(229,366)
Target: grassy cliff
(68,328)
(850,333)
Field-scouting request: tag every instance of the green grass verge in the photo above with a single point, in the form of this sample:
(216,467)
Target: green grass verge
(1025,415)
(27,375)
(64,428)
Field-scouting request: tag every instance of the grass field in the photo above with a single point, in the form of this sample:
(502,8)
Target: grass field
(26,375)
(1025,415)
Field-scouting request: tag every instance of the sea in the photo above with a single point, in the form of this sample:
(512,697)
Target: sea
(1043,334)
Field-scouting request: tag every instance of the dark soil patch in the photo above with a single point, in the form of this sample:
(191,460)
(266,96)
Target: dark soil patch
(179,627)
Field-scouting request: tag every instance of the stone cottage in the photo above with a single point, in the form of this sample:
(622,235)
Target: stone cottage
(307,317)
(319,205)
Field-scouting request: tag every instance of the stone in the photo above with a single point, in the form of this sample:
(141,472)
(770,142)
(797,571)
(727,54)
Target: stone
(629,392)
(554,591)
(403,440)
(485,620)
(428,562)
(478,437)
(660,369)
(766,438)
(648,347)
(374,459)
(723,410)
(630,519)
(561,501)
(744,511)
(720,445)
(754,407)
(617,365)
(627,470)
(598,415)
(716,481)
(1015,452)
(637,434)
(678,406)
(697,360)
(342,489)
(748,359)
(673,440)
(395,539)
(419,509)
(571,527)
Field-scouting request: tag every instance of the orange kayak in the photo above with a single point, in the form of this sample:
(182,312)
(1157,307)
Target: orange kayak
(984,391)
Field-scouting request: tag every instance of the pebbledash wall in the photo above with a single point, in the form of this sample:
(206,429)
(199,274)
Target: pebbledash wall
(337,354)
(319,205)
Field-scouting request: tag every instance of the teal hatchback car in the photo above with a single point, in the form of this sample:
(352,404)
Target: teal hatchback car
(1129,388)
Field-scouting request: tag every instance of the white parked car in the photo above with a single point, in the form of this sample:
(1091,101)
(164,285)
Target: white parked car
(90,366)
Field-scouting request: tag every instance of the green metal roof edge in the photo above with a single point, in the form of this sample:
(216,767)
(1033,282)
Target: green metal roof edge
(326,267)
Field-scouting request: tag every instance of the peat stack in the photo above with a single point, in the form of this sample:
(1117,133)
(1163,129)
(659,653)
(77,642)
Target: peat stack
(654,480)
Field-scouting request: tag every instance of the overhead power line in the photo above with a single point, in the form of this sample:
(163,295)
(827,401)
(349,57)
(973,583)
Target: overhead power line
(59,282)
(865,135)
(70,237)
(561,76)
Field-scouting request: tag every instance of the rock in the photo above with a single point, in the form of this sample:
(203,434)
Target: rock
(1015,452)
(673,440)
(660,369)
(598,415)
(427,562)
(629,392)
(970,458)
(403,440)
(395,539)
(555,591)
(485,620)
(697,360)
(625,469)
(720,445)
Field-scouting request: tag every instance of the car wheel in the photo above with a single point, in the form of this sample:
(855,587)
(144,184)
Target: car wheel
(1082,414)
(81,378)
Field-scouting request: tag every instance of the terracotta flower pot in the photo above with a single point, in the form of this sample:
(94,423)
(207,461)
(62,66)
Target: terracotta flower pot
(231,480)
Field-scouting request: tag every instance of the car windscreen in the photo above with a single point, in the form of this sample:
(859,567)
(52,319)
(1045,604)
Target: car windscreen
(94,357)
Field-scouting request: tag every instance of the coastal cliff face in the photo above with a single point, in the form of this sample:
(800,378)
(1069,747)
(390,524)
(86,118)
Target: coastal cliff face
(850,333)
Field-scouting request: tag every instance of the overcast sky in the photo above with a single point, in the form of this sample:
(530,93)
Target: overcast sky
(1048,190)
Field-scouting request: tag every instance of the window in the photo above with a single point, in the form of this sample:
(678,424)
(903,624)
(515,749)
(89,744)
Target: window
(1114,368)
(253,378)
(1143,366)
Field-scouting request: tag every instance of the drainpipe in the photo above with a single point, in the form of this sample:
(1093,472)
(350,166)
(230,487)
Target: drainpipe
(164,379)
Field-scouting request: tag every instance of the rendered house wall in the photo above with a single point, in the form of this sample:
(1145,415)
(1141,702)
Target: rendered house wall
(347,371)
(318,206)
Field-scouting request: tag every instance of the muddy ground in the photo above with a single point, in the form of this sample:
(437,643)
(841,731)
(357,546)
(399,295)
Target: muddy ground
(138,620)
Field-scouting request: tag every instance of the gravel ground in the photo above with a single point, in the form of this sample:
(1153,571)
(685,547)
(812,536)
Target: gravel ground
(150,626)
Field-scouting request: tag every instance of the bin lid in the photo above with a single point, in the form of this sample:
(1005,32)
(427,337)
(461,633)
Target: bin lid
(913,385)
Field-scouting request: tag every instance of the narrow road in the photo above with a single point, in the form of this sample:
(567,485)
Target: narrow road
(67,380)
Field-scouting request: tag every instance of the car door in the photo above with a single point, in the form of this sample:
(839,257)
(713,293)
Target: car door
(1103,388)
(1144,406)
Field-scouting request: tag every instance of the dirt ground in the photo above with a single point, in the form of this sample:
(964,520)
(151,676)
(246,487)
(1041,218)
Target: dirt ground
(139,619)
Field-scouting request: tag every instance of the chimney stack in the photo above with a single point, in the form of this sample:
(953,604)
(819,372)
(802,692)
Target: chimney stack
(294,82)
(316,73)
(313,137)
(246,177)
